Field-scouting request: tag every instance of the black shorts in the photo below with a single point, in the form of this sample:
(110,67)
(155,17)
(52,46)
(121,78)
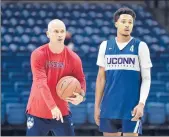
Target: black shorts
(118,125)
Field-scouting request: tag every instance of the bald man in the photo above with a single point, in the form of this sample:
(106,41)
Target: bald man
(49,63)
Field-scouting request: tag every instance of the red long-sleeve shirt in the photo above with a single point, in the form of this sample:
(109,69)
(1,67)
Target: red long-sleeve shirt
(47,69)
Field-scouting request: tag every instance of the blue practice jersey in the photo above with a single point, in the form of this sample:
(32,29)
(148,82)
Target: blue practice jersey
(123,80)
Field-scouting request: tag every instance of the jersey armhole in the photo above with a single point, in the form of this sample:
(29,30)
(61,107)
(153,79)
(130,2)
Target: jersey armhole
(138,44)
(108,44)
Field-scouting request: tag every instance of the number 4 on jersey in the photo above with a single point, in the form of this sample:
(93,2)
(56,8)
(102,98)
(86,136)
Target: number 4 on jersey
(132,48)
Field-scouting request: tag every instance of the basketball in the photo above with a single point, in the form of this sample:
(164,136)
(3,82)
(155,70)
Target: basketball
(66,86)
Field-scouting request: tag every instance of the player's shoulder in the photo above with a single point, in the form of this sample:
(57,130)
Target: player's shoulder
(104,43)
(40,51)
(143,45)
(72,54)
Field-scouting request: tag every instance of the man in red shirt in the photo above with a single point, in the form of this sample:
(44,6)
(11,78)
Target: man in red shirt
(49,63)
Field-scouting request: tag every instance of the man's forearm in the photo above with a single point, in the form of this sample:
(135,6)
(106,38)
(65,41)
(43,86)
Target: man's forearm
(99,91)
(145,85)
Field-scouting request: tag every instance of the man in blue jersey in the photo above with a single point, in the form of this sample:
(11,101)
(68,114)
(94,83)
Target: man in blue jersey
(123,80)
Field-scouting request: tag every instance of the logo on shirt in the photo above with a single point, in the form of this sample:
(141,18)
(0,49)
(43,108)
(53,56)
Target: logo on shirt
(30,122)
(132,48)
(121,60)
(54,64)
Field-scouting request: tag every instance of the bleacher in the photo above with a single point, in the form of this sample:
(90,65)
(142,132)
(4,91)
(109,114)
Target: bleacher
(23,29)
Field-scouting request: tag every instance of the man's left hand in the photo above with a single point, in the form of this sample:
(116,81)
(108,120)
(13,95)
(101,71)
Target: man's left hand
(138,112)
(75,101)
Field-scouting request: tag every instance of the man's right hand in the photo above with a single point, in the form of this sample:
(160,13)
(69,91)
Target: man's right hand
(97,116)
(56,113)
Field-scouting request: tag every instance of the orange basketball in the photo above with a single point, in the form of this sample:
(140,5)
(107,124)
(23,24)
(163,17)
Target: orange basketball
(66,86)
